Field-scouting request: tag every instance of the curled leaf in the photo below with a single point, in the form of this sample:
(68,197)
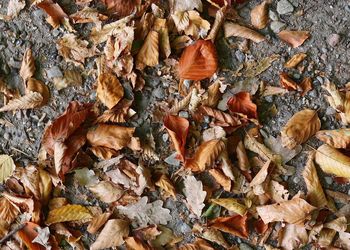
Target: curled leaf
(306,85)
(259,15)
(294,38)
(28,234)
(109,90)
(222,118)
(295,60)
(338,138)
(242,103)
(221,178)
(233,29)
(28,65)
(97,222)
(54,10)
(235,225)
(28,101)
(287,82)
(231,204)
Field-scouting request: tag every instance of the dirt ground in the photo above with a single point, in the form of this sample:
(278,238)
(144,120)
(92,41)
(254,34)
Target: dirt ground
(322,18)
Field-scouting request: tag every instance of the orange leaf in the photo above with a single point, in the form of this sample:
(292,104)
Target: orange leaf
(287,82)
(54,11)
(109,90)
(242,103)
(177,128)
(259,15)
(294,38)
(235,225)
(306,85)
(198,61)
(121,8)
(28,234)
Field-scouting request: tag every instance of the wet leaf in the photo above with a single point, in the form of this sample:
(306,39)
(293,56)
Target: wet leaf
(300,128)
(198,61)
(332,161)
(294,38)
(338,138)
(68,213)
(165,184)
(259,15)
(195,195)
(231,204)
(295,60)
(234,29)
(149,52)
(242,103)
(235,225)
(7,166)
(109,90)
(112,234)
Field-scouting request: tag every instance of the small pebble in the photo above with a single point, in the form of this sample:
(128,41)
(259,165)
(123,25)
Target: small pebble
(296,180)
(333,39)
(277,26)
(284,7)
(319,79)
(183,114)
(240,56)
(7,136)
(53,72)
(244,246)
(273,15)
(329,180)
(165,137)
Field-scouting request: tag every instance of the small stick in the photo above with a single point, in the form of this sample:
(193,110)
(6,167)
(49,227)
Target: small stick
(10,234)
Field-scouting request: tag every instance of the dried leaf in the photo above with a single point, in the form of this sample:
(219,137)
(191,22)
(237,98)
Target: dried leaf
(149,52)
(8,212)
(219,20)
(293,211)
(243,161)
(198,61)
(315,193)
(256,68)
(28,65)
(206,155)
(55,12)
(185,5)
(234,29)
(43,237)
(216,236)
(88,15)
(85,177)
(306,85)
(118,114)
(288,83)
(160,25)
(29,101)
(221,178)
(28,234)
(112,234)
(191,23)
(144,213)
(165,183)
(214,95)
(14,7)
(195,195)
(293,237)
(295,60)
(235,225)
(332,161)
(231,204)
(242,103)
(135,243)
(338,138)
(336,100)
(259,15)
(103,152)
(68,213)
(343,241)
(261,180)
(300,128)
(177,128)
(70,78)
(97,222)
(223,118)
(199,244)
(109,90)
(7,167)
(294,38)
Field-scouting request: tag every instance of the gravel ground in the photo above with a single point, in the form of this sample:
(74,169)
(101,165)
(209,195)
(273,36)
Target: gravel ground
(327,56)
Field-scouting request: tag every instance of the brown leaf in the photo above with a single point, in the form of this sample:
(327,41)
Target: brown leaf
(8,212)
(206,155)
(149,52)
(191,23)
(195,195)
(165,184)
(224,119)
(338,138)
(109,90)
(57,15)
(219,20)
(70,78)
(121,8)
(300,128)
(160,25)
(198,61)
(295,60)
(287,82)
(235,225)
(221,178)
(199,244)
(97,222)
(234,29)
(88,15)
(118,114)
(34,85)
(293,211)
(28,234)
(106,191)
(112,234)
(29,101)
(177,128)
(28,65)
(214,95)
(231,204)
(113,136)
(103,152)
(294,38)
(242,103)
(133,243)
(259,15)
(293,237)
(243,161)
(306,85)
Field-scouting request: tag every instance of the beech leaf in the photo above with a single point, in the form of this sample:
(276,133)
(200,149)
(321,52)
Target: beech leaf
(242,103)
(68,213)
(338,138)
(149,52)
(294,38)
(195,195)
(231,204)
(28,65)
(235,225)
(109,90)
(233,29)
(7,166)
(8,212)
(259,15)
(295,60)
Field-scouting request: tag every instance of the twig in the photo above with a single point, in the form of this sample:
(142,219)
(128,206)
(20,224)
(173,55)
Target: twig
(10,234)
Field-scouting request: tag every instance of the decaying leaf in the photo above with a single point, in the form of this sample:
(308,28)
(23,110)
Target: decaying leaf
(68,213)
(300,128)
(261,180)
(294,211)
(112,234)
(216,236)
(7,166)
(259,15)
(332,161)
(195,195)
(144,213)
(165,183)
(135,243)
(235,225)
(43,237)
(234,29)
(149,52)
(338,138)
(109,90)
(28,101)
(198,61)
(242,103)
(294,38)
(231,204)
(295,60)
(256,68)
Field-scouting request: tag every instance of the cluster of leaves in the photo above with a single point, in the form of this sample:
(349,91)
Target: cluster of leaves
(229,175)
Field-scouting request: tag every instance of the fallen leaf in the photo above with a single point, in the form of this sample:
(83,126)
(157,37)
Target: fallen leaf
(29,101)
(336,100)
(97,222)
(288,83)
(164,183)
(8,212)
(294,38)
(28,234)
(56,15)
(191,23)
(254,68)
(206,155)
(28,65)
(293,236)
(306,85)
(331,161)
(185,5)
(144,213)
(295,60)
(160,25)
(293,211)
(151,232)
(112,234)
(243,161)
(338,138)
(43,237)
(300,128)
(70,78)
(7,167)
(221,178)
(14,7)
(315,192)
(149,52)
(109,90)
(107,191)
(235,225)
(177,128)
(68,213)
(259,15)
(343,241)
(199,244)
(88,15)
(242,103)
(223,119)
(195,195)
(216,236)
(231,204)
(234,29)
(135,243)
(121,8)
(85,177)
(198,61)
(220,17)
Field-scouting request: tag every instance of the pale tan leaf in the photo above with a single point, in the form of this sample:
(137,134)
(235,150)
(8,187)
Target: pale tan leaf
(97,222)
(28,65)
(315,193)
(243,161)
(14,7)
(88,15)
(231,204)
(165,183)
(109,90)
(219,20)
(149,52)
(70,78)
(339,224)
(234,29)
(191,23)
(343,241)
(215,132)
(259,15)
(300,128)
(336,100)
(34,85)
(160,25)
(7,166)
(29,101)
(260,181)
(181,105)
(136,243)
(277,192)
(255,68)
(214,95)
(185,5)
(295,60)
(332,161)
(294,211)
(338,138)
(195,195)
(8,212)
(293,236)
(216,236)
(112,234)
(107,191)
(68,213)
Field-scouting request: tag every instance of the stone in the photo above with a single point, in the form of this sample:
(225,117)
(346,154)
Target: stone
(277,26)
(296,180)
(333,39)
(183,114)
(329,180)
(54,72)
(244,246)
(273,15)
(240,56)
(159,93)
(284,7)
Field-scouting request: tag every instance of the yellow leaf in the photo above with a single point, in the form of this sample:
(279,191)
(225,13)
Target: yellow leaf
(148,54)
(68,213)
(109,90)
(331,161)
(166,185)
(231,204)
(7,166)
(315,193)
(338,138)
(300,128)
(28,65)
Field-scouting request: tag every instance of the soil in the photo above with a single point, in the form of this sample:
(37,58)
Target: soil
(322,18)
